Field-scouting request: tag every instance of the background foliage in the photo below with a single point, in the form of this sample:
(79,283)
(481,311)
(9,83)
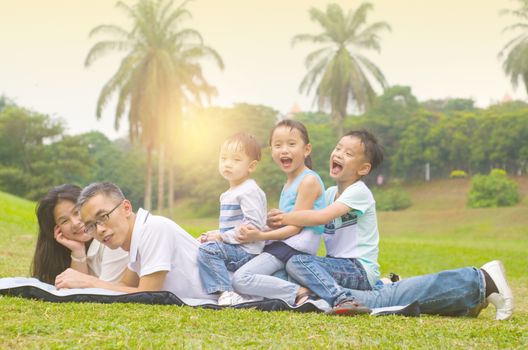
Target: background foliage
(493,190)
(36,153)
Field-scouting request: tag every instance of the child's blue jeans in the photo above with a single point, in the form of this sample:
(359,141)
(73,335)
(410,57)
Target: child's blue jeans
(449,293)
(327,277)
(215,260)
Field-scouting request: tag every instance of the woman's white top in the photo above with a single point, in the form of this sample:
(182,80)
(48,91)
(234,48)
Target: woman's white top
(105,263)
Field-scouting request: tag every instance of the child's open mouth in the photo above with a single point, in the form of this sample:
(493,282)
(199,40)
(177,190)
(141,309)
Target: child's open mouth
(336,168)
(286,162)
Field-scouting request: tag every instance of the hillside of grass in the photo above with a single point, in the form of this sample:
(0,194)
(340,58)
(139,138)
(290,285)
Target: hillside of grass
(438,232)
(18,225)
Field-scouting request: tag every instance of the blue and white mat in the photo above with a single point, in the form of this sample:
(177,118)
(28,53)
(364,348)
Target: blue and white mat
(32,288)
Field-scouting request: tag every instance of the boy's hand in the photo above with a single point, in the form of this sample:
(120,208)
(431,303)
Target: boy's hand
(275,218)
(248,234)
(210,236)
(214,236)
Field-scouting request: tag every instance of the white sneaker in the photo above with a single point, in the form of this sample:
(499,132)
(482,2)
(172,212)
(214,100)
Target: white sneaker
(239,299)
(226,298)
(503,300)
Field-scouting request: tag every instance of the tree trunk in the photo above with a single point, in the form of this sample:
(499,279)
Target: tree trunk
(161,178)
(171,186)
(337,121)
(148,181)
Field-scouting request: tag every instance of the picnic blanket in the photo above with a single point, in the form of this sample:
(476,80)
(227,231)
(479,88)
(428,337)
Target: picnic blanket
(32,288)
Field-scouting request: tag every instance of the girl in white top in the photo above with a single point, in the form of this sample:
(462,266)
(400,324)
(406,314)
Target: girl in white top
(62,242)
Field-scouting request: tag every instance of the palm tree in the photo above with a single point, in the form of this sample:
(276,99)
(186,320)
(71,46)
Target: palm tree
(338,67)
(158,75)
(515,64)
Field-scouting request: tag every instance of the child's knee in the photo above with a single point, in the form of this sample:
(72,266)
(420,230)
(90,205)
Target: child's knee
(297,262)
(210,248)
(241,279)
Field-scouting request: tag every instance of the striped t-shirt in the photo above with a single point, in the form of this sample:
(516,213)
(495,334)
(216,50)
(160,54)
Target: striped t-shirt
(242,205)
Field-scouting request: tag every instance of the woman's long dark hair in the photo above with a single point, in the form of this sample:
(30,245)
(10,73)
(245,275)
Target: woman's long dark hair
(51,258)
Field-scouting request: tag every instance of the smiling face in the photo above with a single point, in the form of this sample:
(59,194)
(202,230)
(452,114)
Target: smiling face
(288,150)
(234,164)
(68,219)
(348,162)
(116,231)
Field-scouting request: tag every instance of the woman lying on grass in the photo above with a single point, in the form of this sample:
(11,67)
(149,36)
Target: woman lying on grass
(62,242)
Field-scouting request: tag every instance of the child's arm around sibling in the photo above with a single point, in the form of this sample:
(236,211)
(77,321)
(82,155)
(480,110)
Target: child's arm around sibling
(308,192)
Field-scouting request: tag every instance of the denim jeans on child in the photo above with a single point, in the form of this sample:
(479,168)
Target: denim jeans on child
(215,259)
(255,278)
(447,293)
(328,277)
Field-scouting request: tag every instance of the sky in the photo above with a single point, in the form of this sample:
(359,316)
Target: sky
(440,49)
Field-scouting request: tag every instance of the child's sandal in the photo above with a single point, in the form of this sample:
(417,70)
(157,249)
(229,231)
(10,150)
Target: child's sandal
(304,297)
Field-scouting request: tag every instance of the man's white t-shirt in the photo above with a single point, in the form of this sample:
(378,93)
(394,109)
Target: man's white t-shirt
(159,244)
(355,234)
(105,263)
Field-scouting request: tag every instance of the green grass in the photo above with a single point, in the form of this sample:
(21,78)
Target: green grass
(438,232)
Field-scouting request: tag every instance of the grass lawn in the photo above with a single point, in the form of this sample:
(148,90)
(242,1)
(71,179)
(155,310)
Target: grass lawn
(436,233)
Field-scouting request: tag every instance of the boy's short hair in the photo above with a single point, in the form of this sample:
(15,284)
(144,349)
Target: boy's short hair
(106,188)
(373,149)
(245,141)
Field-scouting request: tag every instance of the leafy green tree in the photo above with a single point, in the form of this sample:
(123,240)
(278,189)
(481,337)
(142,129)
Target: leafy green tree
(515,52)
(35,155)
(339,68)
(158,75)
(4,101)
(22,135)
(114,161)
(449,105)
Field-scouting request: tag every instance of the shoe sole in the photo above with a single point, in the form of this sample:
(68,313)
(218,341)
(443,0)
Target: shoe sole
(362,310)
(409,310)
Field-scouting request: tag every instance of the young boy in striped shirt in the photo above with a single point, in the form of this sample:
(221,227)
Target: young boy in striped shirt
(243,203)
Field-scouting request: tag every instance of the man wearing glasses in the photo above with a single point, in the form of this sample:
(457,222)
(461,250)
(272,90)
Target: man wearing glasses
(162,255)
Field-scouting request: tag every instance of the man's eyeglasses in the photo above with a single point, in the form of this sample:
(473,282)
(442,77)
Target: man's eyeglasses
(91,227)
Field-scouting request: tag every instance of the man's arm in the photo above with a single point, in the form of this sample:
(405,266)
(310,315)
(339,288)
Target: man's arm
(130,282)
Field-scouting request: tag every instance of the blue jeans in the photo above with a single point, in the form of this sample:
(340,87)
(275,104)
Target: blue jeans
(215,259)
(255,278)
(448,293)
(327,277)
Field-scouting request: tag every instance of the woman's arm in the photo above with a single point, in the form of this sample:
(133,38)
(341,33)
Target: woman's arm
(78,251)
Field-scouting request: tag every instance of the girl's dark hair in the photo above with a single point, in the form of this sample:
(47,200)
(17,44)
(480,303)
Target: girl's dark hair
(294,124)
(51,258)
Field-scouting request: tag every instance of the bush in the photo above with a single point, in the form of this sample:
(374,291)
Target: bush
(392,199)
(458,174)
(493,190)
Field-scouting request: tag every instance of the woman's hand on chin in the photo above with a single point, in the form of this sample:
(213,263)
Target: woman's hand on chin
(74,246)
